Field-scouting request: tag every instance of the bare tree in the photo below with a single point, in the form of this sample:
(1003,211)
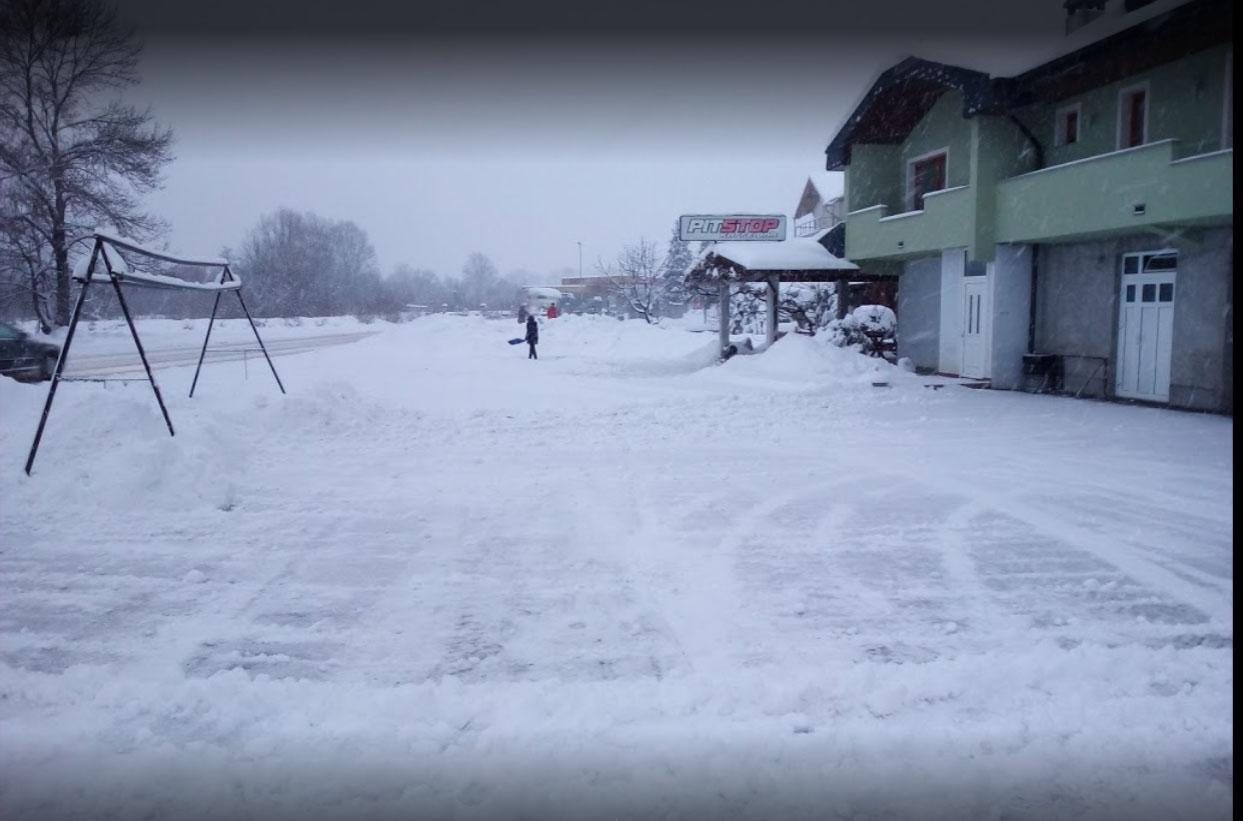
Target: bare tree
(638,278)
(812,307)
(75,159)
(25,267)
(302,264)
(480,281)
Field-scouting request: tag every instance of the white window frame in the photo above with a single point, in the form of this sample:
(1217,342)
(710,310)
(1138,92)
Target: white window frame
(1123,93)
(910,174)
(1059,121)
(1227,108)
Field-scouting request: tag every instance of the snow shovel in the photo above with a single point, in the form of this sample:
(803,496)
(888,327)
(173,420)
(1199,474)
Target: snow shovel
(517,341)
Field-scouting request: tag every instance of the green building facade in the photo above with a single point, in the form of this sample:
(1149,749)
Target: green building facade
(1067,228)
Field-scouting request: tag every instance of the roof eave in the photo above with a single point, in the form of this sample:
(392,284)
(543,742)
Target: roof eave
(976,87)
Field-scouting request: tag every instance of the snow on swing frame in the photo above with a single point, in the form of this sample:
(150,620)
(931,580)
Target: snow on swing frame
(108,265)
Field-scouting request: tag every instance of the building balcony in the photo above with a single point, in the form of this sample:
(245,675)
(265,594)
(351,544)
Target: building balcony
(1116,193)
(946,221)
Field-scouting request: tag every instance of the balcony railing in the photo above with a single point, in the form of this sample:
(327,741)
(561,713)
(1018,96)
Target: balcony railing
(1113,193)
(946,221)
(808,227)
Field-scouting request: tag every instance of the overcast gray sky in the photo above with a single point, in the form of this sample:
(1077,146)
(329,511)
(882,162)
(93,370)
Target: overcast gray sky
(522,135)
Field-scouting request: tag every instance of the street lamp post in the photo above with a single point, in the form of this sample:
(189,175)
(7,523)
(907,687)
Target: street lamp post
(580,260)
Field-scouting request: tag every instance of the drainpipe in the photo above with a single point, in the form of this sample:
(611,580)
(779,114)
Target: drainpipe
(1038,149)
(1031,310)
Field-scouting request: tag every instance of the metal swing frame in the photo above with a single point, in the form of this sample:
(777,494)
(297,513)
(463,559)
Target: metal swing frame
(227,281)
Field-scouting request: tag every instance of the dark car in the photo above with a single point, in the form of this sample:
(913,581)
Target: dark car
(26,359)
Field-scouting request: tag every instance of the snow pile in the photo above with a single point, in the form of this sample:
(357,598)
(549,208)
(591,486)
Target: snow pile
(814,362)
(108,448)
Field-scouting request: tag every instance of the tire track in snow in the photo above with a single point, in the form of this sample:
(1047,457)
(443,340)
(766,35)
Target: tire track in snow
(708,608)
(1134,565)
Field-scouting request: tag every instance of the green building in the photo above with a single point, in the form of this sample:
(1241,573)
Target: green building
(1073,222)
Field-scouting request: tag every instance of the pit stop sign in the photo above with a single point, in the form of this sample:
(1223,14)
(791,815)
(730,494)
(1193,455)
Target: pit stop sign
(732,227)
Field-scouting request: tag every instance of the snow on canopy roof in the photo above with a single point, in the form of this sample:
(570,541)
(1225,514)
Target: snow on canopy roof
(122,270)
(131,245)
(795,254)
(544,293)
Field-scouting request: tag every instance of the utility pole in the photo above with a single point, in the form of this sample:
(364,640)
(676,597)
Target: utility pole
(580,260)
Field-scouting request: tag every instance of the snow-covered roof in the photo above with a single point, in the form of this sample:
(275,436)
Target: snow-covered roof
(795,254)
(988,83)
(1117,18)
(544,293)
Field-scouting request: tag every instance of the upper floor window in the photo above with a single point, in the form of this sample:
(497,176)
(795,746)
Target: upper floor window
(925,174)
(1133,116)
(1066,129)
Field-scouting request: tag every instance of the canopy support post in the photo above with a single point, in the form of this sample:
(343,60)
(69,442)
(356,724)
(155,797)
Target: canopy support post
(774,283)
(724,326)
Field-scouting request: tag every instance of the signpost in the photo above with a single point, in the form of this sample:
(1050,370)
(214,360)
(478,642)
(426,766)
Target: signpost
(735,228)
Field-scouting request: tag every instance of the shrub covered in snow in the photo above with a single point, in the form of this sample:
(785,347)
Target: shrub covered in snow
(869,329)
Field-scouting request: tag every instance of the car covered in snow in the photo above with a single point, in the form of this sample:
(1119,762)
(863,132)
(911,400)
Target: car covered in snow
(24,358)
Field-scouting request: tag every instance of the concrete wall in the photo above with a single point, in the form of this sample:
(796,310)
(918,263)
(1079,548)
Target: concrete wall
(953,267)
(1077,313)
(919,312)
(1202,295)
(1077,308)
(1011,312)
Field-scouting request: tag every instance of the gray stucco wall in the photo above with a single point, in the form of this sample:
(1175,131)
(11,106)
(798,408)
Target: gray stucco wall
(1201,316)
(919,311)
(1011,307)
(1077,313)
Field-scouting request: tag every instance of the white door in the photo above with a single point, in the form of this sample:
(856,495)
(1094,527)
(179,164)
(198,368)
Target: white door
(1146,326)
(975,327)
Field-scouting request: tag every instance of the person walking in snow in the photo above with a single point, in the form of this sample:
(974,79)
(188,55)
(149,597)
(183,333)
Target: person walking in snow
(532,336)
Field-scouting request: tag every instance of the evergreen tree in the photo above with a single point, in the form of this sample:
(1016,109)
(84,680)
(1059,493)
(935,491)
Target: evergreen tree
(678,260)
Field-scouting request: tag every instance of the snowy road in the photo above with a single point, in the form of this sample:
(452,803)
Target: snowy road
(437,579)
(114,363)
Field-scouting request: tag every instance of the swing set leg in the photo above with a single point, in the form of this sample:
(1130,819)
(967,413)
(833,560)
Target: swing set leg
(143,355)
(60,367)
(260,340)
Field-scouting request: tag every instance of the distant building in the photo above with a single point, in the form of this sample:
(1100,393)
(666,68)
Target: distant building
(538,299)
(814,213)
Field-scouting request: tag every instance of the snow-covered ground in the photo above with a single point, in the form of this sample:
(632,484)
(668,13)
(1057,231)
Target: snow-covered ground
(438,579)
